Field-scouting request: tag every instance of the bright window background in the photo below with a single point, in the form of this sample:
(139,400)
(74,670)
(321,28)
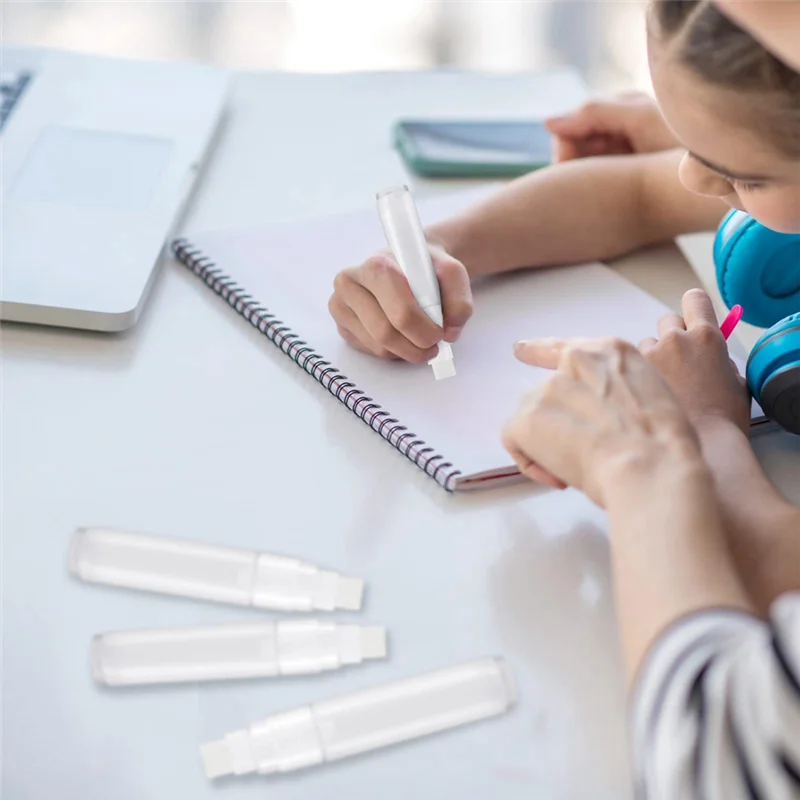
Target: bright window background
(604,39)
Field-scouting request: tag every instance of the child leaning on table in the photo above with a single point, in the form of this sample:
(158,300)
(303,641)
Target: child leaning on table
(706,553)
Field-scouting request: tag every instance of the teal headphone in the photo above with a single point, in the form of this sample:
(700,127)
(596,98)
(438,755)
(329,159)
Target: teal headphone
(759,269)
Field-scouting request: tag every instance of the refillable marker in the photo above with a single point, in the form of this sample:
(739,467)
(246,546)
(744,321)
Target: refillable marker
(366,720)
(406,240)
(227,652)
(208,572)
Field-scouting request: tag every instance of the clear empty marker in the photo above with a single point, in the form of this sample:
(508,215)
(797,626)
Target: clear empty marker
(226,652)
(366,720)
(209,572)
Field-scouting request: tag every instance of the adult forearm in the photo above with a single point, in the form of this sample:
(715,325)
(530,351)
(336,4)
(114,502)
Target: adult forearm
(763,528)
(669,552)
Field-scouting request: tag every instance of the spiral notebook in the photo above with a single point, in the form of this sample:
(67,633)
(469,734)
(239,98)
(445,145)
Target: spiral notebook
(279,280)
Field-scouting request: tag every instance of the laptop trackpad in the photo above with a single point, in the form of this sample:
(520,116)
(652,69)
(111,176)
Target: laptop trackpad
(113,171)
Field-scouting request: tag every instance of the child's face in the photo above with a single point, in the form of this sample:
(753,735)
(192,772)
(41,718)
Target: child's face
(725,158)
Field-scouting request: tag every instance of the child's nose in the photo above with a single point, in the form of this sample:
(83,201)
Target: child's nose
(701,180)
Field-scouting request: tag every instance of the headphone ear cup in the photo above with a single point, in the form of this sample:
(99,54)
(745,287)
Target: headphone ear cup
(757,268)
(773,373)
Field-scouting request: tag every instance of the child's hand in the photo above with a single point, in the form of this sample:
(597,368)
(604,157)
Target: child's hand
(603,418)
(692,357)
(631,123)
(376,312)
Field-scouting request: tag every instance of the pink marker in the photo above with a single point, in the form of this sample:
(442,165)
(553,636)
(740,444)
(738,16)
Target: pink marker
(731,321)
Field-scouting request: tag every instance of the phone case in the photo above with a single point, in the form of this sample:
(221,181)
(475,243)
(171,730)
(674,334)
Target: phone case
(438,168)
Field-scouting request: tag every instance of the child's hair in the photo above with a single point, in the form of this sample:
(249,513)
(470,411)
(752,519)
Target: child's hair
(722,54)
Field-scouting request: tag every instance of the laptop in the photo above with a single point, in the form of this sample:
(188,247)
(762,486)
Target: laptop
(98,157)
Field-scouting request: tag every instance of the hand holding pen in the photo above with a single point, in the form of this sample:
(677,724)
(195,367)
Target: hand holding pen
(376,311)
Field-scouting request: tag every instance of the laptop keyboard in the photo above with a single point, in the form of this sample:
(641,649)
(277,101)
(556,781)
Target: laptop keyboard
(12,87)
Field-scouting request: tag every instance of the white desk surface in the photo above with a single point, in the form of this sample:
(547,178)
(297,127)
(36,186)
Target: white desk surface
(192,425)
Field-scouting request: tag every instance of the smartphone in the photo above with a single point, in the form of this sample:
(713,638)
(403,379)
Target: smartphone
(476,149)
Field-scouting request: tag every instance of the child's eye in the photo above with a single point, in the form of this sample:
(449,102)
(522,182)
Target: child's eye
(748,187)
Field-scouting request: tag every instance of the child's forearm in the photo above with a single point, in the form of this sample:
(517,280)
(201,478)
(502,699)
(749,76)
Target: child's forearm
(584,210)
(669,553)
(763,528)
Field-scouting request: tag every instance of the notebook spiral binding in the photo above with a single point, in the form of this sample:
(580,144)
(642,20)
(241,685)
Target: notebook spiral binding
(304,355)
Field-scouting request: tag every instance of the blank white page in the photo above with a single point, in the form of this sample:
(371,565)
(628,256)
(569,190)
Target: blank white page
(290,270)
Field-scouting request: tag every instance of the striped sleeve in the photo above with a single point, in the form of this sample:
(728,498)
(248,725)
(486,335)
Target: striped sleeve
(716,710)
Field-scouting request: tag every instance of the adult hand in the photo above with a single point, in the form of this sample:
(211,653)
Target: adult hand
(629,123)
(604,418)
(376,312)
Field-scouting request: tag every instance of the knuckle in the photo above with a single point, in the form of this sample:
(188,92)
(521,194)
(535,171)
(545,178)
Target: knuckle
(618,354)
(379,264)
(705,332)
(672,338)
(464,308)
(458,312)
(341,280)
(347,335)
(552,389)
(385,332)
(449,271)
(352,340)
(333,306)
(402,317)
(508,437)
(665,317)
(618,346)
(448,266)
(572,356)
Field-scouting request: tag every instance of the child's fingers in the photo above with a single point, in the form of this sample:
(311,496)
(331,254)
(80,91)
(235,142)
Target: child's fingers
(397,308)
(670,322)
(601,144)
(568,148)
(698,309)
(564,149)
(593,117)
(380,330)
(456,295)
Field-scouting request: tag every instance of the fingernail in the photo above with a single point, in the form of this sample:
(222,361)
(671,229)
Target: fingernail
(451,334)
(520,345)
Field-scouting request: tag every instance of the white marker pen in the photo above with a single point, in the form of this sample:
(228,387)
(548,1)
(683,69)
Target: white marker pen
(208,572)
(406,240)
(366,720)
(226,652)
